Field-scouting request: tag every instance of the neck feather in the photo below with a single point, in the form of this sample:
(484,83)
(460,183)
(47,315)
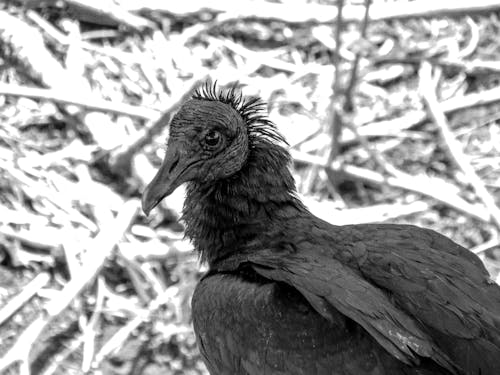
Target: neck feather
(222,217)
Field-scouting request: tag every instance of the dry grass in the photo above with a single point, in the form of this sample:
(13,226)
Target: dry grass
(394,118)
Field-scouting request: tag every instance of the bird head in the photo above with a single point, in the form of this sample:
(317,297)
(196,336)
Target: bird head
(210,139)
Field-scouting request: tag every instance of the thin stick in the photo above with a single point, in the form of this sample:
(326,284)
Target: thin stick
(471,67)
(27,292)
(336,119)
(99,250)
(121,159)
(112,11)
(431,187)
(485,246)
(91,103)
(117,340)
(348,104)
(428,92)
(316,13)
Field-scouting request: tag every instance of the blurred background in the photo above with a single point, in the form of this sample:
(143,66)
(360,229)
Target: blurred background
(391,110)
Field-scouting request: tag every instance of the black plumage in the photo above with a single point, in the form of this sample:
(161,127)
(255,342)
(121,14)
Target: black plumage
(288,293)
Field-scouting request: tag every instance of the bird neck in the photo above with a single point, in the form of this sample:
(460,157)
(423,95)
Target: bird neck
(224,216)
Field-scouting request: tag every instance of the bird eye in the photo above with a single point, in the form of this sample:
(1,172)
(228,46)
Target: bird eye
(212,138)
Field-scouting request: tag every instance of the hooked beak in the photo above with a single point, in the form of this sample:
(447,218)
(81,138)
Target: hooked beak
(174,171)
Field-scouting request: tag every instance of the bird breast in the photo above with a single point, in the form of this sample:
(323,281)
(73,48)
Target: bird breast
(249,325)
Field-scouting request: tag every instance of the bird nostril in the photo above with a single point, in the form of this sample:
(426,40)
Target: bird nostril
(174,164)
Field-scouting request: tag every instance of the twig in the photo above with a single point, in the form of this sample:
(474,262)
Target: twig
(55,36)
(69,348)
(117,340)
(36,189)
(104,242)
(471,67)
(426,9)
(428,92)
(90,330)
(316,13)
(27,237)
(27,292)
(336,119)
(485,246)
(112,11)
(471,100)
(414,118)
(429,186)
(374,153)
(389,128)
(142,287)
(265,60)
(99,250)
(348,104)
(474,40)
(91,103)
(329,211)
(24,47)
(120,161)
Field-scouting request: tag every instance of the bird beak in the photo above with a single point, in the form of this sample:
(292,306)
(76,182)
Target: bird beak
(174,171)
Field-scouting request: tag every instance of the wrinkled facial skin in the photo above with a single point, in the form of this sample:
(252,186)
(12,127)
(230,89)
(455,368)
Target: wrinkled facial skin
(208,141)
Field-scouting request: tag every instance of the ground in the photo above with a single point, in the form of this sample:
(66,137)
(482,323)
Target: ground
(391,119)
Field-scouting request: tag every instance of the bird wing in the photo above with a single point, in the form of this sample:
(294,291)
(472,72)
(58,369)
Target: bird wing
(327,283)
(441,284)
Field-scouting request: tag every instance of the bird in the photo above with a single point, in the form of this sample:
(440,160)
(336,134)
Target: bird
(287,293)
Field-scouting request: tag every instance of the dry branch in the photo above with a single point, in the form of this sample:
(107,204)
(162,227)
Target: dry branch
(488,245)
(117,340)
(98,251)
(58,38)
(428,92)
(394,127)
(23,46)
(26,293)
(336,120)
(121,160)
(88,102)
(429,186)
(108,9)
(476,99)
(329,211)
(472,67)
(353,79)
(316,13)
